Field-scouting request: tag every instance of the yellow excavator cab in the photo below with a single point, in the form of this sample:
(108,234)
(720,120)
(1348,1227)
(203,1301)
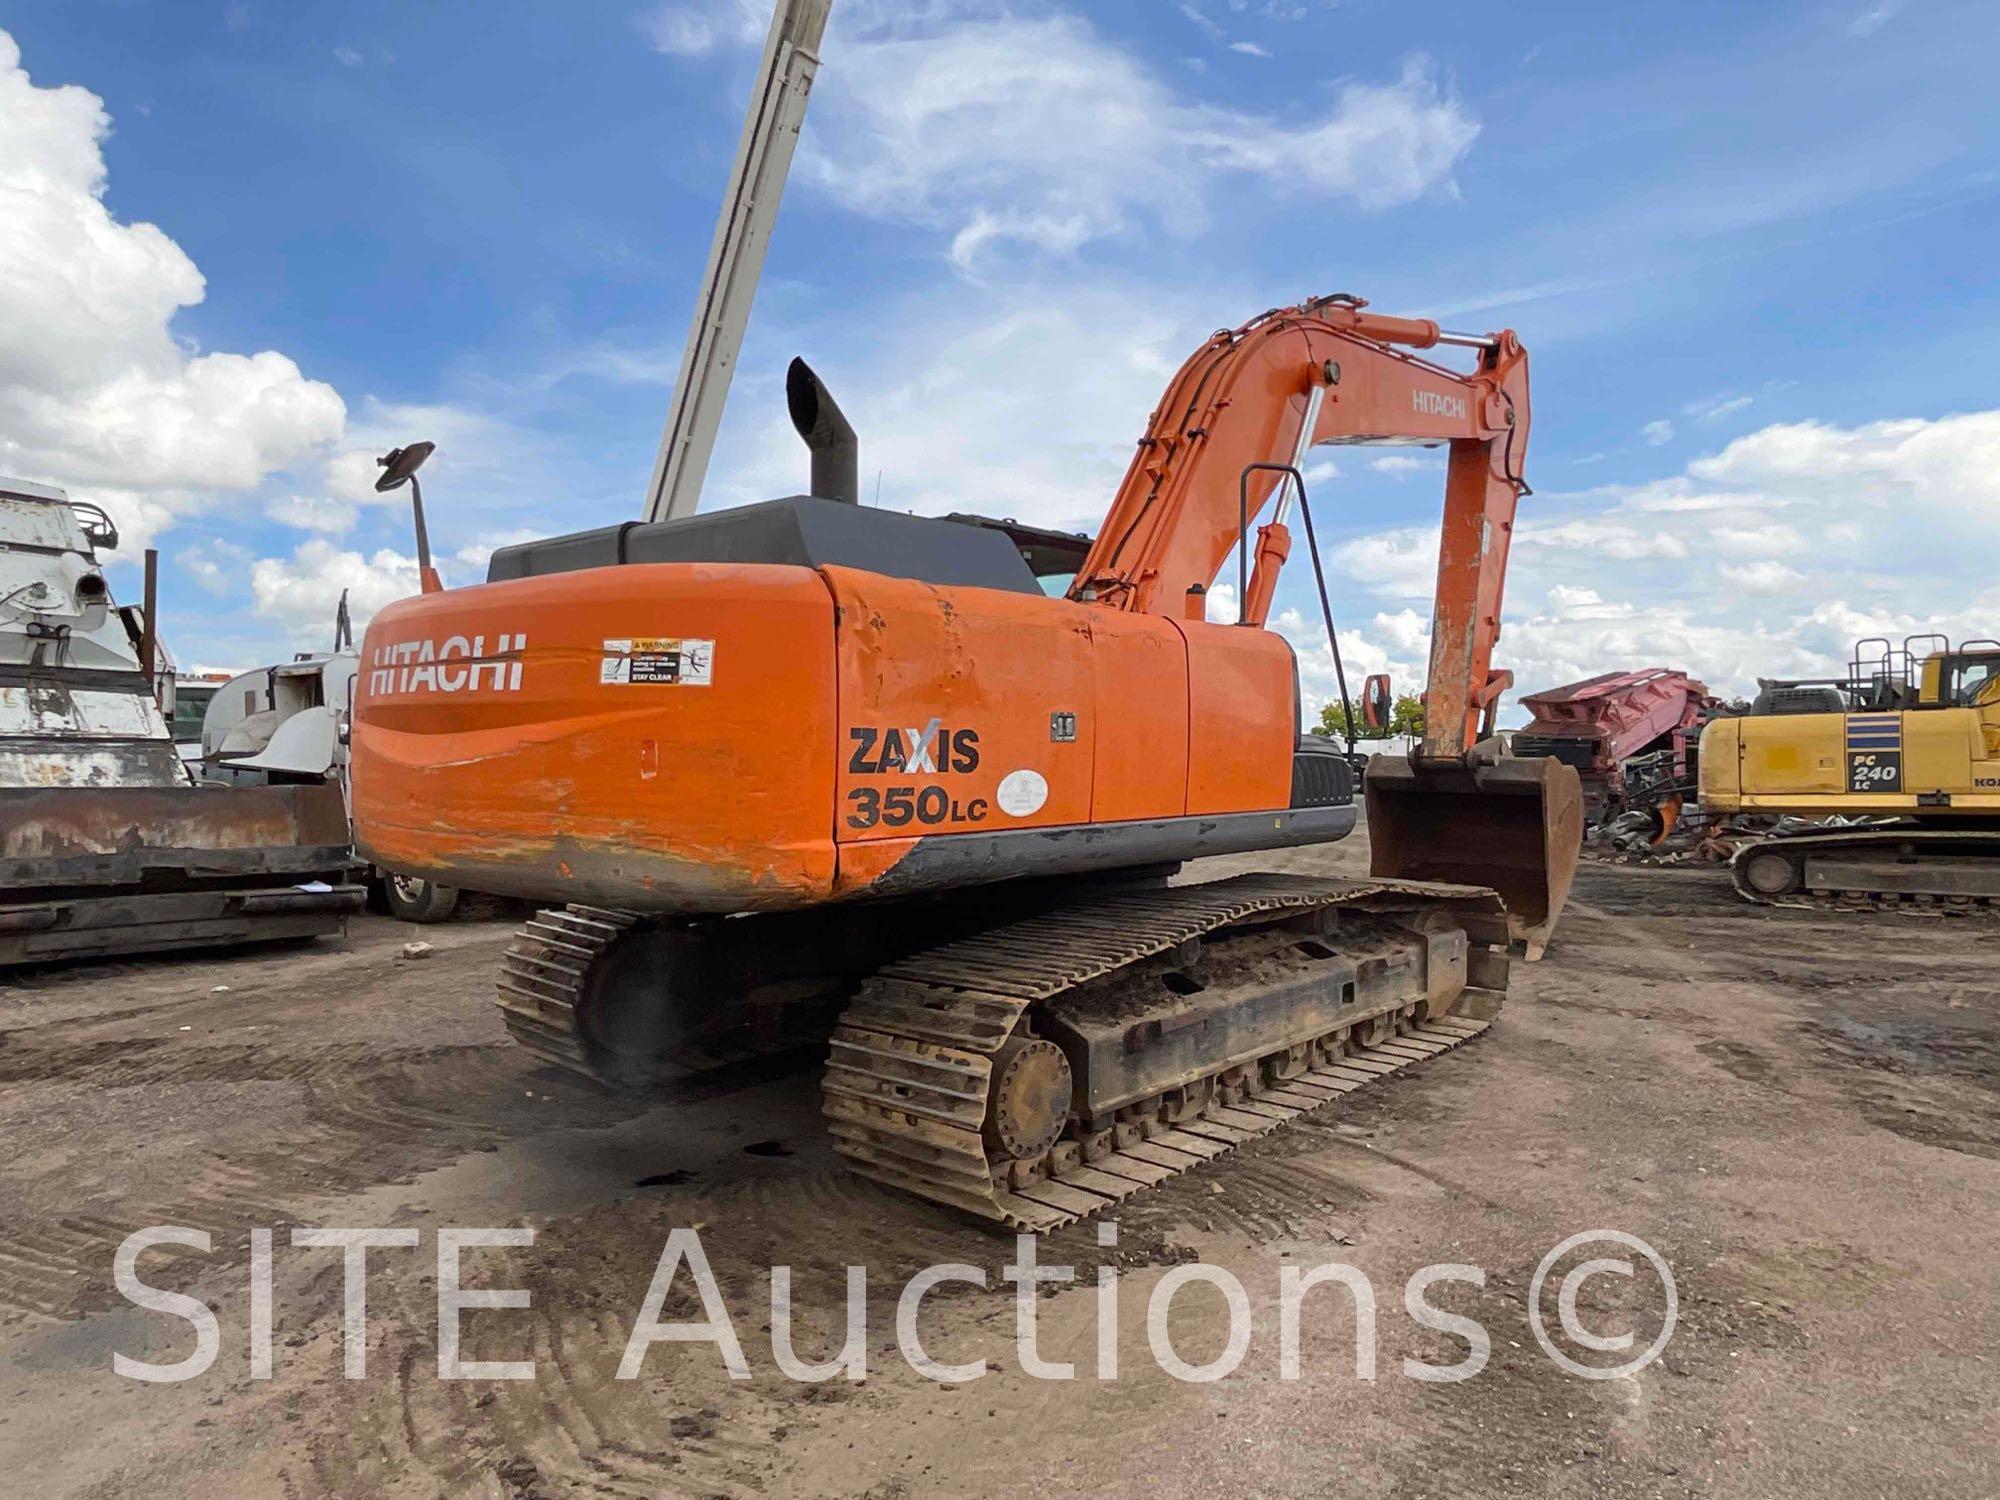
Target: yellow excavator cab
(1960,679)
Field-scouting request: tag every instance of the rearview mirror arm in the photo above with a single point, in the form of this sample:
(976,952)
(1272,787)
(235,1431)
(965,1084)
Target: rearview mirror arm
(427,576)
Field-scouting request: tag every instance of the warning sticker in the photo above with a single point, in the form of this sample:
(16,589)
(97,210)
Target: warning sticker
(680,660)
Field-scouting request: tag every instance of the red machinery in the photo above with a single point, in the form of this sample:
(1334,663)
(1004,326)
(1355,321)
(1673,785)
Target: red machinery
(1599,724)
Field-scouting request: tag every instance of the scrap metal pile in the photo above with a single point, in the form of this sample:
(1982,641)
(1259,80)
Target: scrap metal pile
(1634,739)
(108,844)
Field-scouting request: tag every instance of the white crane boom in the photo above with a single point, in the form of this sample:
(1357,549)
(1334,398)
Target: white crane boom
(736,259)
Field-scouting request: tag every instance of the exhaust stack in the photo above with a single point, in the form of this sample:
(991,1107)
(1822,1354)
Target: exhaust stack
(836,452)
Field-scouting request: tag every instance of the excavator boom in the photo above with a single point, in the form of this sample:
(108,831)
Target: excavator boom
(1331,372)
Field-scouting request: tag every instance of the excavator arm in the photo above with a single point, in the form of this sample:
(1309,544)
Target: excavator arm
(1251,403)
(1327,372)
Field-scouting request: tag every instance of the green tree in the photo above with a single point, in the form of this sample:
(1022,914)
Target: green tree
(1407,717)
(1333,725)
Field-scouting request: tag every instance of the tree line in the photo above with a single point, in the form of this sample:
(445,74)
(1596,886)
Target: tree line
(1406,719)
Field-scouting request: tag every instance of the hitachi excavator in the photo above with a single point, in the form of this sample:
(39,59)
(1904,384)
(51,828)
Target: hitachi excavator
(804,759)
(912,788)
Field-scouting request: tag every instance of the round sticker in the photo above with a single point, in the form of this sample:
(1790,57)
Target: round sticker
(1022,793)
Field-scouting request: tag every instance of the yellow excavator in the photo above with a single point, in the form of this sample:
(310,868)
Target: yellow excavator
(1906,745)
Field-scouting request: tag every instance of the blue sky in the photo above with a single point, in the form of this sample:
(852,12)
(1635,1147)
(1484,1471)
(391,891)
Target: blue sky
(1748,247)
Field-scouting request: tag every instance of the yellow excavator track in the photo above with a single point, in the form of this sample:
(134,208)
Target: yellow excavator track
(1920,871)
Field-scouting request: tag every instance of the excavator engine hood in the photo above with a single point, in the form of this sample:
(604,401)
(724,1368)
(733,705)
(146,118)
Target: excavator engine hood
(1513,825)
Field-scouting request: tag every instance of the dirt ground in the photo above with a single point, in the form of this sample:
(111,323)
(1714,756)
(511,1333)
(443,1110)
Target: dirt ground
(1801,1115)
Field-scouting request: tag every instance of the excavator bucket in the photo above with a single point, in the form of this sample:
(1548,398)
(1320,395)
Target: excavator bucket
(1513,825)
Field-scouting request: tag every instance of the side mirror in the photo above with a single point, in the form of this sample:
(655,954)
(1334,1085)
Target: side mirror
(399,465)
(1377,702)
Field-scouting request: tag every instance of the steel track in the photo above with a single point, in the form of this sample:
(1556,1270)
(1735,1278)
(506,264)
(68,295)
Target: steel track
(542,979)
(905,1093)
(1864,842)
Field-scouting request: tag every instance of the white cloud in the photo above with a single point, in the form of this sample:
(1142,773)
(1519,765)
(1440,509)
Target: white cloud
(1715,408)
(1766,576)
(1028,410)
(1567,602)
(1768,558)
(1658,432)
(1949,461)
(1875,17)
(1215,33)
(217,566)
(1395,642)
(351,475)
(1004,130)
(218,421)
(1754,540)
(347,57)
(1037,132)
(1611,538)
(312,513)
(1403,465)
(694,30)
(96,394)
(301,592)
(1208,27)
(1396,564)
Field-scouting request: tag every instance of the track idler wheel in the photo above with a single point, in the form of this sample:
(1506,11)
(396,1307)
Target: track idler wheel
(1029,1100)
(1771,872)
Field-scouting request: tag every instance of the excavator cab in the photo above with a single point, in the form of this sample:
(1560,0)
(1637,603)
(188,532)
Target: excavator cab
(1486,818)
(1965,678)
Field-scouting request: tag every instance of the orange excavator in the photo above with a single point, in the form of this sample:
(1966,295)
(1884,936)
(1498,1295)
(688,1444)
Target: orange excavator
(914,787)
